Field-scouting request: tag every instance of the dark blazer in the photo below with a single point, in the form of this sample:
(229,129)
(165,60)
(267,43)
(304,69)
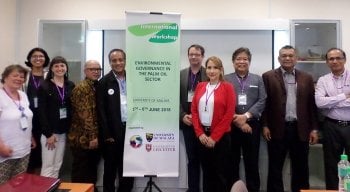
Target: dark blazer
(49,108)
(184,105)
(275,109)
(108,108)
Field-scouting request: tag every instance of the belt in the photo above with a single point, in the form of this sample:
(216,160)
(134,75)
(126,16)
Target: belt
(338,122)
(206,129)
(291,123)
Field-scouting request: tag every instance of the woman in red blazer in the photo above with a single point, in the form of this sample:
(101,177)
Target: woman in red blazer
(213,107)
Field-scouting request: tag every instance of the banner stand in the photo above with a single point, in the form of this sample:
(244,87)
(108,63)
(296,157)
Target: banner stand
(151,146)
(151,184)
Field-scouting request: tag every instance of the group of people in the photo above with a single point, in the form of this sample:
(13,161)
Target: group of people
(221,116)
(220,120)
(42,111)
(35,114)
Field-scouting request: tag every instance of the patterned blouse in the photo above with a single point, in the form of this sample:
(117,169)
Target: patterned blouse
(84,127)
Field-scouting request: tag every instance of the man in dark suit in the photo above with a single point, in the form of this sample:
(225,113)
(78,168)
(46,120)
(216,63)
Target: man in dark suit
(189,78)
(289,121)
(112,111)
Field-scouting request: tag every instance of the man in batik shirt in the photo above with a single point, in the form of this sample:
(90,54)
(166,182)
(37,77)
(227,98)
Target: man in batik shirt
(83,133)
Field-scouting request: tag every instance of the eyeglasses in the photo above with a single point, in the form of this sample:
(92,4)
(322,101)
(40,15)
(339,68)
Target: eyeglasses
(38,56)
(94,69)
(335,58)
(194,55)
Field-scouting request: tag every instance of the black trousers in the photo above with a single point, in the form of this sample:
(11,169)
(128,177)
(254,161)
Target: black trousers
(217,175)
(247,144)
(336,141)
(85,164)
(193,163)
(35,154)
(113,154)
(298,152)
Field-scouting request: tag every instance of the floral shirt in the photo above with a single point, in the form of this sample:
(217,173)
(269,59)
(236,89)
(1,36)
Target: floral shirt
(84,127)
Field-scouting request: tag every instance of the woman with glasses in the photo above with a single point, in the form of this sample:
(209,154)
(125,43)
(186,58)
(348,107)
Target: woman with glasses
(37,60)
(15,124)
(55,115)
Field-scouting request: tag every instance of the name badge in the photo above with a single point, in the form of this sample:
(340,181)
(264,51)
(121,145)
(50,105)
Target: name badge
(35,101)
(24,123)
(242,99)
(190,96)
(63,113)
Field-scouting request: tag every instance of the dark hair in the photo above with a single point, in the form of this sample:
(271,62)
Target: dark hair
(338,49)
(9,69)
(30,54)
(242,50)
(196,46)
(55,60)
(289,47)
(116,50)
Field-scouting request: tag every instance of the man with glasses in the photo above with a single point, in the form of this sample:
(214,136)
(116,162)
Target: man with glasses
(289,121)
(333,99)
(189,79)
(83,133)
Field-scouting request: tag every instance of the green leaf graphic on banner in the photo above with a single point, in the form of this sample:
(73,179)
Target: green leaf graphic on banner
(164,32)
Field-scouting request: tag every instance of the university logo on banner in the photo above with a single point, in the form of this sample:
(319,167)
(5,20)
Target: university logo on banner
(153,70)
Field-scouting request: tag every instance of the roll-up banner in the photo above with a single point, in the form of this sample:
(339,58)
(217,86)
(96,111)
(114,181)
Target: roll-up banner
(152,67)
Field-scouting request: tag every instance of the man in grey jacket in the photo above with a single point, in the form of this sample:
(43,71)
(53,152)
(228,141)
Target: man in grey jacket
(245,132)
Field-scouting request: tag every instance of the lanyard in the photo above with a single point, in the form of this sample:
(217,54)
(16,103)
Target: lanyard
(19,106)
(193,80)
(36,82)
(61,94)
(122,83)
(207,97)
(242,82)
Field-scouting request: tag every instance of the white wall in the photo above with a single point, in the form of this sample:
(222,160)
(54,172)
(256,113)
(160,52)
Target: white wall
(19,18)
(29,13)
(8,32)
(220,43)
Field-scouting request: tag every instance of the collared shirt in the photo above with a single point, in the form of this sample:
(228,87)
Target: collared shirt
(123,103)
(84,127)
(291,88)
(330,95)
(253,87)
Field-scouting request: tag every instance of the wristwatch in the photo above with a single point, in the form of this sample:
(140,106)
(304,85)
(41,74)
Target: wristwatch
(247,115)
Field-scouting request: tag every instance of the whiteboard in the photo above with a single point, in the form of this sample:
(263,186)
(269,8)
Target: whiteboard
(221,43)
